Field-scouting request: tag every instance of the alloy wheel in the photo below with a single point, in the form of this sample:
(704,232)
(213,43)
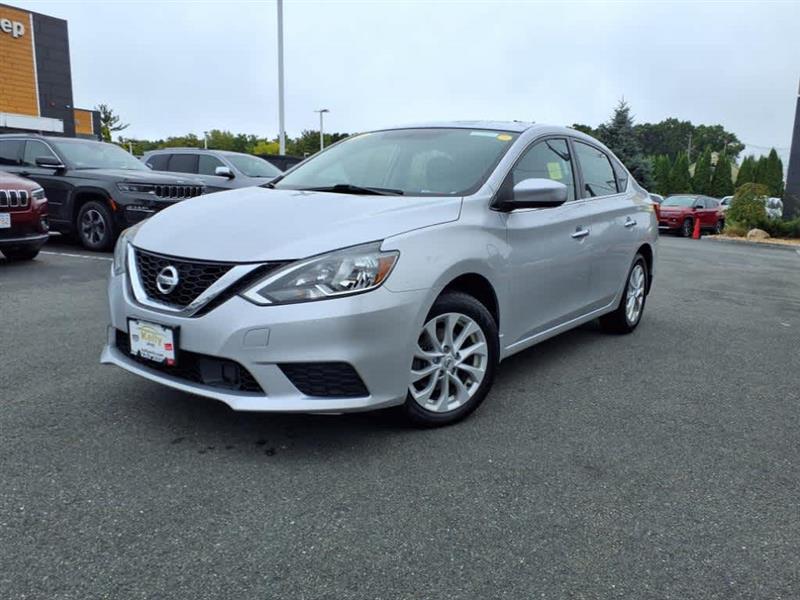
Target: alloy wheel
(634,299)
(93,226)
(450,362)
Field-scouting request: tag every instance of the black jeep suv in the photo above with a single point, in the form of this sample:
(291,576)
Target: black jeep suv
(94,189)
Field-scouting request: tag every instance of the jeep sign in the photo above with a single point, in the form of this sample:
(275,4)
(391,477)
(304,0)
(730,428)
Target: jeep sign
(14,28)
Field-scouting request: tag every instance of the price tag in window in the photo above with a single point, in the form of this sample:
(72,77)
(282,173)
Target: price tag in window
(554,171)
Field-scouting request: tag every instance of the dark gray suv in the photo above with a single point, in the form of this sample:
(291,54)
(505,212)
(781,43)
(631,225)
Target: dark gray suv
(218,169)
(94,189)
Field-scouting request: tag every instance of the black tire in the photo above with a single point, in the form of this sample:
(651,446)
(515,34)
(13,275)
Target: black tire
(20,253)
(457,302)
(719,227)
(94,226)
(687,229)
(617,321)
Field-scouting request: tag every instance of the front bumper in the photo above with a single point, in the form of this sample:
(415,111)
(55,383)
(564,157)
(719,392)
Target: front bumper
(373,332)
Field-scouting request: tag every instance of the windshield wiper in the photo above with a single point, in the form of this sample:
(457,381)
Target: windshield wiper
(347,188)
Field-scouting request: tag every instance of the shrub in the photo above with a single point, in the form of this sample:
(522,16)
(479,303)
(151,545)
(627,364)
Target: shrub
(747,207)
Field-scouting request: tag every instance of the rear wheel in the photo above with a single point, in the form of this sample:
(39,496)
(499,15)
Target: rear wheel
(20,253)
(94,226)
(687,228)
(631,306)
(719,227)
(454,361)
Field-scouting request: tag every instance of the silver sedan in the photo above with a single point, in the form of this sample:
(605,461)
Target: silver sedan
(396,268)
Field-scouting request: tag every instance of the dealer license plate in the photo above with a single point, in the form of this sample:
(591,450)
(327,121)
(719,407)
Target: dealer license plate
(153,342)
(5,220)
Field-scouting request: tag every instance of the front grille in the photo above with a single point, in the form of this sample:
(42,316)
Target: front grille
(178,191)
(325,379)
(194,277)
(199,368)
(14,199)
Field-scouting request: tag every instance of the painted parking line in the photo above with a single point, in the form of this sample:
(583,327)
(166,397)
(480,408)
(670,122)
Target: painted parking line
(106,258)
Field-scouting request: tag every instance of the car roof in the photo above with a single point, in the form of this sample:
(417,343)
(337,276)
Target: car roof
(513,126)
(190,149)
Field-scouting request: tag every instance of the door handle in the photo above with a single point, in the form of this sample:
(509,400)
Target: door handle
(580,233)
(629,222)
(24,173)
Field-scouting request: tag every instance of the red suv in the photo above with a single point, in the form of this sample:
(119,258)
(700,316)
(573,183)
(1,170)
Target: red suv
(23,217)
(678,213)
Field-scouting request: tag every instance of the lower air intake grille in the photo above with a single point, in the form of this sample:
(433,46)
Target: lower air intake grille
(199,368)
(325,380)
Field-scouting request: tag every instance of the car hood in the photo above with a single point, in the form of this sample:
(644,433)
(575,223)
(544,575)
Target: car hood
(260,224)
(136,176)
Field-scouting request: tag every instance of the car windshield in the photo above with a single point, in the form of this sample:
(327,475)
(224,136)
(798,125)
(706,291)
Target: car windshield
(413,162)
(679,201)
(253,166)
(85,154)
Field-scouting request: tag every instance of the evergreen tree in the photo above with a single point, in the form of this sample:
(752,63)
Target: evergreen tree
(661,172)
(722,179)
(618,134)
(761,170)
(679,180)
(746,171)
(701,180)
(773,176)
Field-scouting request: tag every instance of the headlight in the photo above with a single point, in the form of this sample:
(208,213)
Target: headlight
(341,273)
(138,188)
(120,264)
(38,194)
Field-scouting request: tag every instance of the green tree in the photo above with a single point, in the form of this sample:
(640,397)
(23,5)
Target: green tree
(747,171)
(721,180)
(584,129)
(672,136)
(773,174)
(266,147)
(760,170)
(747,209)
(308,142)
(661,173)
(701,180)
(619,135)
(679,180)
(109,121)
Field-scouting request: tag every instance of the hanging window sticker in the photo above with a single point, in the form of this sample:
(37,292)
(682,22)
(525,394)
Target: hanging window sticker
(554,171)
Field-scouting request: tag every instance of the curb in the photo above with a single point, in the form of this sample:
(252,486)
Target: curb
(753,244)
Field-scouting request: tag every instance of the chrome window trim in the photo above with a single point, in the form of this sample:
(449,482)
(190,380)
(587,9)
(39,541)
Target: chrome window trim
(214,290)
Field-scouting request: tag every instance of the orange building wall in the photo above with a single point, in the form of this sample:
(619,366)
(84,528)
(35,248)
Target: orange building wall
(17,68)
(83,122)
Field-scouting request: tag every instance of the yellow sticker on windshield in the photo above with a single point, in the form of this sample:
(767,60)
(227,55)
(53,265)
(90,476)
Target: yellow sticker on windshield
(504,137)
(554,170)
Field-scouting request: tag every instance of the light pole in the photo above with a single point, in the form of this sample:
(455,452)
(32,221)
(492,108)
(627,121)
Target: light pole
(205,140)
(321,112)
(281,129)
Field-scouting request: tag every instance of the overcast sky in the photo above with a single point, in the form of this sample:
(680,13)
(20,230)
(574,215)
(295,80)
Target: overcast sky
(175,67)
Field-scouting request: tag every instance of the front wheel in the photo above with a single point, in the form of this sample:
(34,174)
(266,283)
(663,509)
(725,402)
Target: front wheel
(631,306)
(719,227)
(687,228)
(454,361)
(94,226)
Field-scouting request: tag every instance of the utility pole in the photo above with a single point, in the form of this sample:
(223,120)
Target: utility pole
(689,149)
(321,112)
(205,140)
(281,128)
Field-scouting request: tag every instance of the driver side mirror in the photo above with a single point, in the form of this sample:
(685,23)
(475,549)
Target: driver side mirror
(224,172)
(535,193)
(49,162)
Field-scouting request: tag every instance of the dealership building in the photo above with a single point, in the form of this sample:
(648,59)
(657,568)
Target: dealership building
(36,79)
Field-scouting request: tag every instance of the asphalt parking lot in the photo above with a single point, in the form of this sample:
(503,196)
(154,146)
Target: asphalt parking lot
(665,464)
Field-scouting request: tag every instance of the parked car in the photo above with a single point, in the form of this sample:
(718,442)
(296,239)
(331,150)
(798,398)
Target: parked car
(774,207)
(94,189)
(678,214)
(396,267)
(657,198)
(23,217)
(725,202)
(218,169)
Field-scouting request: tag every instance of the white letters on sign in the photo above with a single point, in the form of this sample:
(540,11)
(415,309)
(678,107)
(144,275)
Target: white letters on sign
(14,28)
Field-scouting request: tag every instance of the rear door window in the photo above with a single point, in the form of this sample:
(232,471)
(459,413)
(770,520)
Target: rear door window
(11,152)
(158,162)
(183,163)
(598,175)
